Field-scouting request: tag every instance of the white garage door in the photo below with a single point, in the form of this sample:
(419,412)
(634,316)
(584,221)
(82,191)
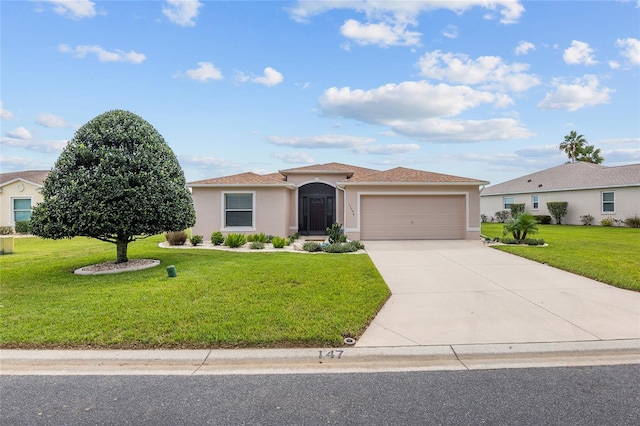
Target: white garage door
(412,217)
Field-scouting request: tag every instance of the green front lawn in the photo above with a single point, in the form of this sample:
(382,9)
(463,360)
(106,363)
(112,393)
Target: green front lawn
(607,254)
(219,299)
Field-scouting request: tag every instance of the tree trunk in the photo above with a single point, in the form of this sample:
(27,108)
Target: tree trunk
(121,246)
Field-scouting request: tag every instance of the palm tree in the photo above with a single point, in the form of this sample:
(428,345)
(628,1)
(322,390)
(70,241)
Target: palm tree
(573,145)
(590,154)
(520,226)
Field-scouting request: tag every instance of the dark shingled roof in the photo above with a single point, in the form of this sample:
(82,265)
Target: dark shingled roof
(570,176)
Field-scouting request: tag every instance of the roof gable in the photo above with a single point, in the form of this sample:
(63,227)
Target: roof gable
(405,175)
(570,176)
(35,177)
(248,178)
(338,168)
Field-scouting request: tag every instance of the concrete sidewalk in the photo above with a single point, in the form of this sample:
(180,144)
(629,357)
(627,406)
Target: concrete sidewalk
(462,292)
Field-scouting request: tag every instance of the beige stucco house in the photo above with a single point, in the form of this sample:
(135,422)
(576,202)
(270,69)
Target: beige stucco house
(399,203)
(602,192)
(19,193)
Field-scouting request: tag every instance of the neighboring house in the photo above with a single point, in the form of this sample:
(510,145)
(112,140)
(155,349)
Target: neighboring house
(19,193)
(395,204)
(602,192)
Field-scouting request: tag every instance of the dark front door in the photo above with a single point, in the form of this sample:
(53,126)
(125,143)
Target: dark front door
(316,208)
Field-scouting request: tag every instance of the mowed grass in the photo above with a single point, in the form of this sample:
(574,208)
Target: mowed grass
(218,300)
(607,254)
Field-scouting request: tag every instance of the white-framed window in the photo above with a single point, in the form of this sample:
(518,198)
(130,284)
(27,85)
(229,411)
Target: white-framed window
(238,210)
(608,202)
(507,201)
(21,209)
(535,204)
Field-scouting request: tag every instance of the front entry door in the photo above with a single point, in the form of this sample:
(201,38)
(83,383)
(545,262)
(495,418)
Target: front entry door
(317,215)
(316,208)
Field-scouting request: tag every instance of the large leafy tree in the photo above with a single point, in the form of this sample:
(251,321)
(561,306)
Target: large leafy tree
(577,149)
(117,180)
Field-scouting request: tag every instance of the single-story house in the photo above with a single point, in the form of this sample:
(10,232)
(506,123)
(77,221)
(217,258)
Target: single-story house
(590,189)
(19,193)
(399,203)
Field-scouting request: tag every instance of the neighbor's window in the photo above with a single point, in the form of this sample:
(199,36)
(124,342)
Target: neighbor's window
(21,209)
(534,202)
(238,209)
(608,202)
(508,201)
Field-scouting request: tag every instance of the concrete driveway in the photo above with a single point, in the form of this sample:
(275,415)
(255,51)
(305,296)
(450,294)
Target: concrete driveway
(462,292)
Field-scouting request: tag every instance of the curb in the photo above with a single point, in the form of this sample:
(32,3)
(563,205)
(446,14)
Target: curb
(319,360)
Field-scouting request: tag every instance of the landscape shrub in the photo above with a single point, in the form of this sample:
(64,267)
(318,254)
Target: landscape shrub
(23,227)
(250,238)
(533,241)
(269,238)
(176,238)
(339,248)
(6,230)
(256,245)
(586,219)
(235,240)
(260,238)
(516,209)
(607,221)
(632,222)
(336,233)
(311,246)
(484,218)
(503,215)
(196,239)
(521,225)
(279,242)
(357,244)
(558,210)
(217,238)
(543,219)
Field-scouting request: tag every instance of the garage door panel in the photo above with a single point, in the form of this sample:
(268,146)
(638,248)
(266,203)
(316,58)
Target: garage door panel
(412,217)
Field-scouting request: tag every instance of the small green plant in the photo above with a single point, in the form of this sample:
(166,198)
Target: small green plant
(250,238)
(632,222)
(521,225)
(269,239)
(339,248)
(176,238)
(336,234)
(196,239)
(357,244)
(543,219)
(256,245)
(6,230)
(586,219)
(217,238)
(607,221)
(235,240)
(261,237)
(23,227)
(516,209)
(533,241)
(279,242)
(558,210)
(311,247)
(503,215)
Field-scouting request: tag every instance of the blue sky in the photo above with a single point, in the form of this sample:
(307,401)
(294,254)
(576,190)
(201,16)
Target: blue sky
(481,89)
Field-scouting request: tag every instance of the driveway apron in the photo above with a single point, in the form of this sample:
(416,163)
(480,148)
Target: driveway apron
(463,292)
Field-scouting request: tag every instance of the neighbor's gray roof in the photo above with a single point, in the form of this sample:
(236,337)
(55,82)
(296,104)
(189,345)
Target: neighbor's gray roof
(33,176)
(570,176)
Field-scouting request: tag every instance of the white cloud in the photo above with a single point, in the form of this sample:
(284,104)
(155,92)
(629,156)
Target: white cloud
(270,78)
(489,71)
(419,110)
(403,11)
(437,129)
(104,55)
(14,164)
(524,47)
(49,120)
(205,71)
(74,9)
(621,141)
(18,133)
(182,12)
(203,161)
(5,114)
(295,158)
(356,144)
(583,92)
(450,32)
(408,101)
(32,145)
(630,49)
(382,34)
(614,65)
(579,53)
